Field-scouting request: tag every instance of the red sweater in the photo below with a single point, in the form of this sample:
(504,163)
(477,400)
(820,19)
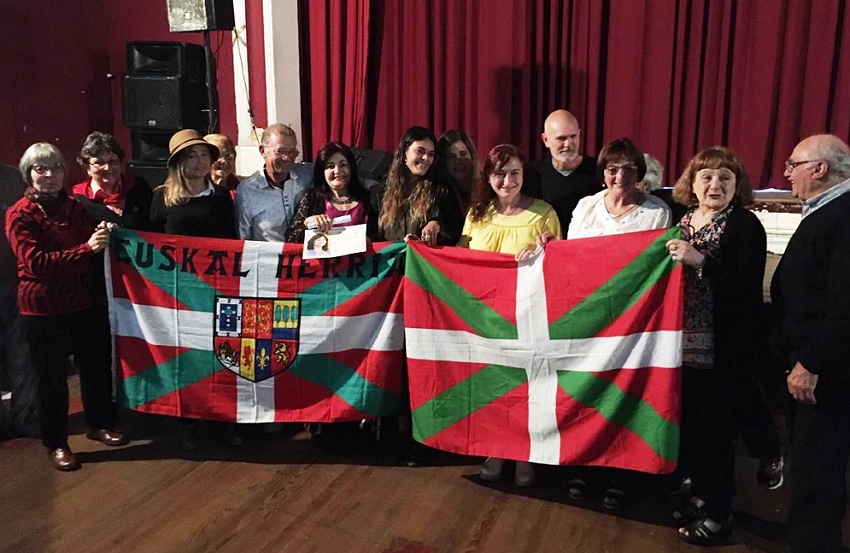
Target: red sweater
(53,256)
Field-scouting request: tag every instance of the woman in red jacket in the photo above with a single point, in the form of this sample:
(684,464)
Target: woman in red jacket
(55,242)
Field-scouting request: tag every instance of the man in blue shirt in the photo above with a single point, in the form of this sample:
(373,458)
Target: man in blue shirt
(266,201)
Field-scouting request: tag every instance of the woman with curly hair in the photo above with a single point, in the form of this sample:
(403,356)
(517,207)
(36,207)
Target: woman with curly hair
(414,203)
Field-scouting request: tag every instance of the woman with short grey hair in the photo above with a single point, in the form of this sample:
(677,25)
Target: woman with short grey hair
(55,243)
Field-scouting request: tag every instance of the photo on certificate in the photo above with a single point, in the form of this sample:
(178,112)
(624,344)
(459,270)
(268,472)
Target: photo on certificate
(337,242)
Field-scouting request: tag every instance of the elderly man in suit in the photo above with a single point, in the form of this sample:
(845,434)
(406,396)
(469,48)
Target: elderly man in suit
(811,294)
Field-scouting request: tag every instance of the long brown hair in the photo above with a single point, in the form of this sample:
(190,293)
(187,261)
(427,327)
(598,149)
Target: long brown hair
(396,206)
(482,193)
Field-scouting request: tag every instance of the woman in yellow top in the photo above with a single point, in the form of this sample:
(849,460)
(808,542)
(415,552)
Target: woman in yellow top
(505,220)
(502,218)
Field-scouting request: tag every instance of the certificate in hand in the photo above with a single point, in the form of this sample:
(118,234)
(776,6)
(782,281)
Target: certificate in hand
(337,242)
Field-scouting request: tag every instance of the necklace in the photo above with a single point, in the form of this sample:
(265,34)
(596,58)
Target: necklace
(629,208)
(341,201)
(624,212)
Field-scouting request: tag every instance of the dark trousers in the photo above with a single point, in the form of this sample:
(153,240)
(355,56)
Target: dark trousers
(17,368)
(821,449)
(707,439)
(754,419)
(52,339)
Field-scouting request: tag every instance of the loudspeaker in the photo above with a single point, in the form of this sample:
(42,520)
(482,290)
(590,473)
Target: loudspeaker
(151,173)
(200,15)
(165,86)
(167,58)
(150,146)
(164,102)
(372,164)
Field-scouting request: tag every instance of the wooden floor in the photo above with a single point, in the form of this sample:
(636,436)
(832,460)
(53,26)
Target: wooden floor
(337,492)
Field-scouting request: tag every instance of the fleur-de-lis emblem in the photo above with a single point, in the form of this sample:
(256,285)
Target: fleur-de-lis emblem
(262,358)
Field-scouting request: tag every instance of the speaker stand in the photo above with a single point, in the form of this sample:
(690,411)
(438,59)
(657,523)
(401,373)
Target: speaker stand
(212,112)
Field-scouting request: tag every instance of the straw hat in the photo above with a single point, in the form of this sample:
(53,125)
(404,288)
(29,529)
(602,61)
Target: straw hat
(186,139)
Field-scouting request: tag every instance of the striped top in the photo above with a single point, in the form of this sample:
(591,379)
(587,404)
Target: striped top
(50,243)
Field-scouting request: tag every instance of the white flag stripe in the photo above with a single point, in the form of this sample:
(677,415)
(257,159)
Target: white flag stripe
(158,325)
(378,331)
(634,351)
(533,329)
(255,400)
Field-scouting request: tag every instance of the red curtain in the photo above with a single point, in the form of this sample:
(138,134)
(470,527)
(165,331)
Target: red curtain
(338,38)
(675,75)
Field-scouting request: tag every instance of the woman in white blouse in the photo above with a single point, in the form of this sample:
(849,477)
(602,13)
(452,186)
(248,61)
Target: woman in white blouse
(621,206)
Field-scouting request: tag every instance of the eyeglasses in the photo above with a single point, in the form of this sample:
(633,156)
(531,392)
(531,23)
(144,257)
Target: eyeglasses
(110,164)
(614,169)
(41,169)
(790,165)
(287,154)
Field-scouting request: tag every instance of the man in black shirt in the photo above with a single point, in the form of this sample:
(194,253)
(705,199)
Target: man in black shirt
(811,296)
(567,176)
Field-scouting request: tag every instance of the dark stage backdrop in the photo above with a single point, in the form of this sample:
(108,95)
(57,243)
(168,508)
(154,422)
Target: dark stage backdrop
(62,67)
(676,76)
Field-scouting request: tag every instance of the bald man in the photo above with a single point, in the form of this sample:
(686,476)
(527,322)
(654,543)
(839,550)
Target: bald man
(811,296)
(566,176)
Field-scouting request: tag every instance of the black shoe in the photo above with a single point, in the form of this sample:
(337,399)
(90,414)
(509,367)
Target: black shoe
(577,489)
(770,474)
(189,436)
(614,498)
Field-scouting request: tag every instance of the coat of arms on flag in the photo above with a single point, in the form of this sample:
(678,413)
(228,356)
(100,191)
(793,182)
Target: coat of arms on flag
(256,338)
(571,359)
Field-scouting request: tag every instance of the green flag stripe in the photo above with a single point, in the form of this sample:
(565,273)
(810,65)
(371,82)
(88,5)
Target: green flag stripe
(661,435)
(480,317)
(347,383)
(464,398)
(619,293)
(186,287)
(176,373)
(327,294)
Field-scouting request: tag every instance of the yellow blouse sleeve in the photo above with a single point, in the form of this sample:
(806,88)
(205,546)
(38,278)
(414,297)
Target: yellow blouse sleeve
(552,223)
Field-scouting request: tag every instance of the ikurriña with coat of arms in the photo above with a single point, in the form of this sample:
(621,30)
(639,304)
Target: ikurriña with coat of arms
(256,338)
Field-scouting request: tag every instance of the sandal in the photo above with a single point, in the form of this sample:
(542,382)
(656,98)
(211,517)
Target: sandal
(700,533)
